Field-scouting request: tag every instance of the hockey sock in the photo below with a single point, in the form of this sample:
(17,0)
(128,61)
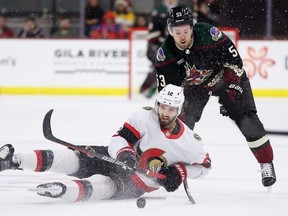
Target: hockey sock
(262,150)
(77,190)
(44,160)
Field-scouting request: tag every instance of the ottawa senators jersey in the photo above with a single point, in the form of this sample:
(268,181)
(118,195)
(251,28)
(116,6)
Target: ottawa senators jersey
(157,147)
(211,50)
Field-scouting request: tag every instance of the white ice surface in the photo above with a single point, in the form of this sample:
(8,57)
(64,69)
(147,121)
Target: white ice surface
(232,188)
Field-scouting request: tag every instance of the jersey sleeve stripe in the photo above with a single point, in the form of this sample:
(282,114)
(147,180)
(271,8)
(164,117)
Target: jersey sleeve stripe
(133,130)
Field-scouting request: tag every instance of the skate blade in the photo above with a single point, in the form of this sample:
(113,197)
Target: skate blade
(42,190)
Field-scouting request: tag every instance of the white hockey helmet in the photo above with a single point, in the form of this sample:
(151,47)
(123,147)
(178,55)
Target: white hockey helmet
(171,95)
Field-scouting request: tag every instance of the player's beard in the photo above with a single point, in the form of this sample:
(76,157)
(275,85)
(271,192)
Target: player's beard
(165,122)
(183,44)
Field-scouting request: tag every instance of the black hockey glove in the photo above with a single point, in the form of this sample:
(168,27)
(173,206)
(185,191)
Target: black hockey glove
(223,110)
(234,91)
(232,96)
(175,174)
(128,158)
(232,81)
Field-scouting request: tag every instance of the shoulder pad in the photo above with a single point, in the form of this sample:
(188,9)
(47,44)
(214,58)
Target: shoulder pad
(166,51)
(206,33)
(160,56)
(148,108)
(215,33)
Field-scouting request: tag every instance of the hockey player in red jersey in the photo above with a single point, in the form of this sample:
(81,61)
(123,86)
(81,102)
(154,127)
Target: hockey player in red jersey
(152,139)
(205,61)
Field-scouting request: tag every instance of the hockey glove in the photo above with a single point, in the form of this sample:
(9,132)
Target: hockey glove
(175,174)
(234,91)
(232,79)
(127,158)
(223,110)
(230,95)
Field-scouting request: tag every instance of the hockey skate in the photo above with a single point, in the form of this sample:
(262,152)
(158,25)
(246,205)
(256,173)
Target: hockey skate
(53,190)
(268,174)
(7,158)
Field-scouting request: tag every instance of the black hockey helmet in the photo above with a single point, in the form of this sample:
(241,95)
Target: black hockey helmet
(179,16)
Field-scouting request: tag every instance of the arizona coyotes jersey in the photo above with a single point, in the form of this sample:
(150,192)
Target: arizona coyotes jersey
(157,147)
(211,50)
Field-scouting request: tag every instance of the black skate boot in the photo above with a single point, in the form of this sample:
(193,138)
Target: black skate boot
(7,158)
(268,174)
(53,189)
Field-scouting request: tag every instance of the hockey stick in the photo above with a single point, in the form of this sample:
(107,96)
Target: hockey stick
(187,190)
(141,201)
(236,114)
(47,131)
(281,133)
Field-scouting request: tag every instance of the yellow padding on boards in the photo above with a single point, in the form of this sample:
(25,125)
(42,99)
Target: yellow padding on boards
(109,91)
(270,92)
(62,91)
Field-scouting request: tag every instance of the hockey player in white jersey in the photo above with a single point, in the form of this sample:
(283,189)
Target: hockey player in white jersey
(152,139)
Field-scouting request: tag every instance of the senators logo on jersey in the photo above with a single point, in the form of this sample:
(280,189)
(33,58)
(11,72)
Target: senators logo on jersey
(153,160)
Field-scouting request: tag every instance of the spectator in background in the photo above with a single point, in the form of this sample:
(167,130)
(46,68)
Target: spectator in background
(65,29)
(129,5)
(93,15)
(209,12)
(156,35)
(189,3)
(141,21)
(124,15)
(108,29)
(31,29)
(5,32)
(193,5)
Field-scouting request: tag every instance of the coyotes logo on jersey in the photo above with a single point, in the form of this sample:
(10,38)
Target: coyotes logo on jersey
(195,76)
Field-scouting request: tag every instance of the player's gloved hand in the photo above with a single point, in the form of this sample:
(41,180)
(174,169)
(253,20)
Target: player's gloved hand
(234,91)
(175,174)
(223,110)
(232,81)
(128,158)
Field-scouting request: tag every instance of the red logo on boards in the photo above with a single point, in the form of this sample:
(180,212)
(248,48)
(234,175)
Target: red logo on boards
(257,62)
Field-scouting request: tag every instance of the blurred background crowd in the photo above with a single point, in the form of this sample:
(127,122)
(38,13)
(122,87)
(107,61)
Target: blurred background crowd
(112,19)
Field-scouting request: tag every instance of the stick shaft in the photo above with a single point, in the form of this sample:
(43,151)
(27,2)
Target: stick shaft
(281,133)
(188,193)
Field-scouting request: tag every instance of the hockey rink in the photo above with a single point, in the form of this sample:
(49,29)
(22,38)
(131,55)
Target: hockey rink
(232,188)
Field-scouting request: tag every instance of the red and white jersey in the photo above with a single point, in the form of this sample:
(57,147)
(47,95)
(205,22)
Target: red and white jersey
(157,147)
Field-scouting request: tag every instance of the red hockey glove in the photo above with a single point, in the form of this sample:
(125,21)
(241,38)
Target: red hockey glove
(176,174)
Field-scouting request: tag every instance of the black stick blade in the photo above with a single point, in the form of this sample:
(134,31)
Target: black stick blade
(47,132)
